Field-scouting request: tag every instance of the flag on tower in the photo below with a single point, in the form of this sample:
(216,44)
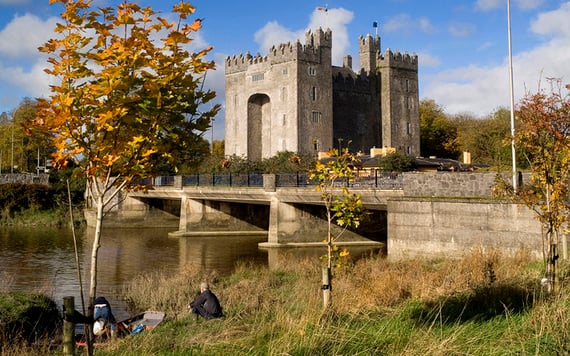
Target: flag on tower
(375,24)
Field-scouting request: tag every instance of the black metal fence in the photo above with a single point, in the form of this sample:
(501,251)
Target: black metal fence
(24,178)
(378,180)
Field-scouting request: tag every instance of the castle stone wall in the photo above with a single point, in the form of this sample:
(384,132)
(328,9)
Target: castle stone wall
(294,99)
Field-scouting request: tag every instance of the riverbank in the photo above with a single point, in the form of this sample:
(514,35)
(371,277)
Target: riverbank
(39,205)
(56,217)
(482,304)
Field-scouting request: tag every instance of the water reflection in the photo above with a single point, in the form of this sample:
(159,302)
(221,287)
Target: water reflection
(43,259)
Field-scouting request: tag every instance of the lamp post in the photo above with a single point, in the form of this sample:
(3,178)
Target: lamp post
(512,97)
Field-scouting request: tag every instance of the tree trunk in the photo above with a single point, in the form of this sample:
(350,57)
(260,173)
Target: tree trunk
(327,287)
(93,284)
(552,274)
(68,326)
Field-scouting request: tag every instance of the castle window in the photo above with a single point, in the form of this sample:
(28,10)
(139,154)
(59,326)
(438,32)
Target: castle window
(312,71)
(314,96)
(407,85)
(316,117)
(284,119)
(257,77)
(316,144)
(284,71)
(409,128)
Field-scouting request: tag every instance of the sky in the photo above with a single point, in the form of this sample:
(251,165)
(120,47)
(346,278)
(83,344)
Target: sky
(462,45)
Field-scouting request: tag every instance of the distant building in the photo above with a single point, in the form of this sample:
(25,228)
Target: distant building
(294,99)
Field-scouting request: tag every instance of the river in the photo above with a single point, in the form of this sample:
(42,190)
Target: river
(43,259)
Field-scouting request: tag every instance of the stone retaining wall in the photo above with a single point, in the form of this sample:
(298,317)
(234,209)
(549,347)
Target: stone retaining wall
(439,227)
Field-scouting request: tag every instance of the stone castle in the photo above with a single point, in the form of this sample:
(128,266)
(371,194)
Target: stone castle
(294,99)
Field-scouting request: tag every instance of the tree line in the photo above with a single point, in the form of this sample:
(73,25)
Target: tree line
(441,135)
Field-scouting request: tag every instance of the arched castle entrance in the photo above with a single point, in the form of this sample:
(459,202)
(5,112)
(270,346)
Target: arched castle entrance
(258,126)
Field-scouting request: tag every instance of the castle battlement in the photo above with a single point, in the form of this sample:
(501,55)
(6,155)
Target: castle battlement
(398,60)
(355,82)
(285,52)
(368,43)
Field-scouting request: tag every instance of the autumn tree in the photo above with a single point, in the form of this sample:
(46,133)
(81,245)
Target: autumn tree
(342,207)
(488,139)
(544,134)
(128,94)
(438,135)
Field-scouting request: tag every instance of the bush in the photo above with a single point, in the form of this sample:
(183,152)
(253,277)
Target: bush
(21,201)
(27,317)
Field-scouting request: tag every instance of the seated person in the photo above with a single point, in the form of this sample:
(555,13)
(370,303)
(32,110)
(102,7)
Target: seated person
(206,304)
(103,317)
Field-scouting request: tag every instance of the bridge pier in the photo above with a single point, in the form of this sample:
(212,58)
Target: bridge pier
(200,215)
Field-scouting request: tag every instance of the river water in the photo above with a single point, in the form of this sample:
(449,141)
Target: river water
(43,259)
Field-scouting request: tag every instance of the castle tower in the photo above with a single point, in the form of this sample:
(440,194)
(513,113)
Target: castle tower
(400,102)
(369,50)
(281,101)
(293,99)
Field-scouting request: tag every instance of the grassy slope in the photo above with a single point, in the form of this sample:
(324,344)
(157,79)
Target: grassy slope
(483,304)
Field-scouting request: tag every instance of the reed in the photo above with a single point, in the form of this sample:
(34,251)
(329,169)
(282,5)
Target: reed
(484,303)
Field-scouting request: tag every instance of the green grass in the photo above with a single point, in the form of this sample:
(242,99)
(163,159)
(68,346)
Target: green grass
(380,307)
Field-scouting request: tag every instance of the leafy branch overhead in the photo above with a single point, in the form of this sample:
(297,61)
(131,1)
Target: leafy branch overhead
(128,99)
(125,102)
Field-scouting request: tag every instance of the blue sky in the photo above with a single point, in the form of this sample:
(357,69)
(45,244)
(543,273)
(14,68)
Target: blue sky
(462,44)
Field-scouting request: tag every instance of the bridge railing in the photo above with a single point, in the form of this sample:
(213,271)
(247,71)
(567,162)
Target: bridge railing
(24,178)
(378,180)
(231,180)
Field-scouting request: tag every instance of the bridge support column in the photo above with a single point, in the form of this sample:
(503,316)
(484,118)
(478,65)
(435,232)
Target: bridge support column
(198,215)
(289,224)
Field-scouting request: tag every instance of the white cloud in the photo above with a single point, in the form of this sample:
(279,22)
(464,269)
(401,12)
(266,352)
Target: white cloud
(426,26)
(529,4)
(428,60)
(24,34)
(404,23)
(273,34)
(335,19)
(489,4)
(398,23)
(461,29)
(499,4)
(481,90)
(554,22)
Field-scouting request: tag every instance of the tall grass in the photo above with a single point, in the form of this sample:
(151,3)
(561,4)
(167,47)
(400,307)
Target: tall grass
(482,304)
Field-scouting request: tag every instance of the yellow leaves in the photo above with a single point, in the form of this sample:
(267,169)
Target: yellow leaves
(184,9)
(196,25)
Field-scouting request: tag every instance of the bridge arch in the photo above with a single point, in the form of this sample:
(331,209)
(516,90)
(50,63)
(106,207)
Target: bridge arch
(258,127)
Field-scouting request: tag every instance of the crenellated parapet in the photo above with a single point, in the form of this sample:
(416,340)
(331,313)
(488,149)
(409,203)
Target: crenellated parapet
(285,52)
(369,44)
(398,60)
(355,83)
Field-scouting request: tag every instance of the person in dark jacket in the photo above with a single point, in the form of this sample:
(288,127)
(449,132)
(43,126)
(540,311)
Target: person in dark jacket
(206,303)
(103,316)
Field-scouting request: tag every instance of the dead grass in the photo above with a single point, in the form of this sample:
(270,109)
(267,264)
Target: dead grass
(483,302)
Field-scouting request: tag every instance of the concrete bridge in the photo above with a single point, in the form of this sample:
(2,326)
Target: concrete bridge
(411,213)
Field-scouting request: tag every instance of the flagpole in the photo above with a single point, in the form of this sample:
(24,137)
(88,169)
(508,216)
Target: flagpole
(512,97)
